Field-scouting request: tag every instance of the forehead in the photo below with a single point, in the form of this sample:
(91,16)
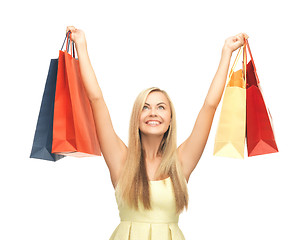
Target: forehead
(156,97)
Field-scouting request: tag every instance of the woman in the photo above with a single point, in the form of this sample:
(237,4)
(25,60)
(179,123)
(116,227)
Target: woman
(150,175)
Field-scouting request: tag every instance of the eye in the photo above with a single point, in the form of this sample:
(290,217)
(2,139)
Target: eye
(145,107)
(161,107)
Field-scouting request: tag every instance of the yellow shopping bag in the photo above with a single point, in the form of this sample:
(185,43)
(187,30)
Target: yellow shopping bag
(230,135)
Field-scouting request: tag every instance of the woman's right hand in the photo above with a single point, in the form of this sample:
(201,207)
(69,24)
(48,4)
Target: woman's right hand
(77,35)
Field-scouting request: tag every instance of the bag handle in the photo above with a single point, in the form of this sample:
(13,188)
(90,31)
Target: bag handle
(252,59)
(71,44)
(244,60)
(242,49)
(235,62)
(68,43)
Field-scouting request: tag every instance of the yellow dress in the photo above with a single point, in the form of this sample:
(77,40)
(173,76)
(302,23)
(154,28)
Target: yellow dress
(159,223)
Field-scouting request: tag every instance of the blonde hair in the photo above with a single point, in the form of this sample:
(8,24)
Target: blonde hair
(133,184)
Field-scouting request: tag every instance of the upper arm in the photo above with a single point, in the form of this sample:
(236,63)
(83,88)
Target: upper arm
(190,151)
(112,147)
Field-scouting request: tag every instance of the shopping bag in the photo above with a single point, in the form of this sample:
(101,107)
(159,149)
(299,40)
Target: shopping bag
(74,131)
(42,143)
(230,135)
(259,131)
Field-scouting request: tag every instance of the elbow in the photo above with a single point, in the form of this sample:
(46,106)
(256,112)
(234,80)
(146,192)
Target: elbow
(212,102)
(93,99)
(95,96)
(211,105)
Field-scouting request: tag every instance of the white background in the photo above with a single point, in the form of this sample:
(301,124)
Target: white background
(175,45)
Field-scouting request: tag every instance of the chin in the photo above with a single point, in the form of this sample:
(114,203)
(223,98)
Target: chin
(153,132)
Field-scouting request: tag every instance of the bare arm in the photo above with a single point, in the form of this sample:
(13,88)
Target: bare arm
(112,147)
(190,151)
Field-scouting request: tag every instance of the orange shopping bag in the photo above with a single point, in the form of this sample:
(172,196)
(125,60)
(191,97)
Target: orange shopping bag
(74,131)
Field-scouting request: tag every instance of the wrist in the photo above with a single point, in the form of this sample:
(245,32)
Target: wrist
(81,45)
(226,51)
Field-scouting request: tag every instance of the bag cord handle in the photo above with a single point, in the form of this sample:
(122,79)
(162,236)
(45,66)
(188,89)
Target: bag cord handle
(68,43)
(244,60)
(235,62)
(244,63)
(252,59)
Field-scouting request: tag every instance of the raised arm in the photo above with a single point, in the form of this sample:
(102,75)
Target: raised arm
(190,151)
(112,147)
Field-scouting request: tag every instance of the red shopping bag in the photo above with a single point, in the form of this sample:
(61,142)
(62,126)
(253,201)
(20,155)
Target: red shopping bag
(259,131)
(74,131)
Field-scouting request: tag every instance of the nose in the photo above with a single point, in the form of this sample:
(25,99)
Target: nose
(153,112)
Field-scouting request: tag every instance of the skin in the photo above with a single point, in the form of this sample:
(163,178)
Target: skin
(156,109)
(113,148)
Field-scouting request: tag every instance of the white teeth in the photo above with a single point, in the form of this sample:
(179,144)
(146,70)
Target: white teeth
(153,123)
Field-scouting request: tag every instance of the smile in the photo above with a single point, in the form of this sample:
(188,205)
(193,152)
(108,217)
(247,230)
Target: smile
(153,123)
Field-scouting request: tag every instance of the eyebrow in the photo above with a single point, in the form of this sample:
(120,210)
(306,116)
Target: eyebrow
(157,104)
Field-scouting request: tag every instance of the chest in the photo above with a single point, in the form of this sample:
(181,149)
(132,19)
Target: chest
(151,168)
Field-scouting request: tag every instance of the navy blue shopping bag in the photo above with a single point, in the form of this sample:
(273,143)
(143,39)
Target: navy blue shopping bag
(42,143)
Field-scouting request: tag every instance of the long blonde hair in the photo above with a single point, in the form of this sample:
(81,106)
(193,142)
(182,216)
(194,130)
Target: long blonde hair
(133,184)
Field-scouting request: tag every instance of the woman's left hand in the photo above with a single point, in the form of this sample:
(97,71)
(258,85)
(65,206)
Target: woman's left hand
(234,42)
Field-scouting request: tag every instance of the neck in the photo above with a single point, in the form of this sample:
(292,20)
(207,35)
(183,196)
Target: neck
(151,146)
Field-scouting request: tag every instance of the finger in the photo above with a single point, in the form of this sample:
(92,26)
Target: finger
(240,38)
(70,28)
(244,35)
(238,44)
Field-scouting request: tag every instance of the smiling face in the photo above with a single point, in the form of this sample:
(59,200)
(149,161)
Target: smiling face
(156,114)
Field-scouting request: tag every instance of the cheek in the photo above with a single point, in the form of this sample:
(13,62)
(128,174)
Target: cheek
(167,117)
(142,117)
